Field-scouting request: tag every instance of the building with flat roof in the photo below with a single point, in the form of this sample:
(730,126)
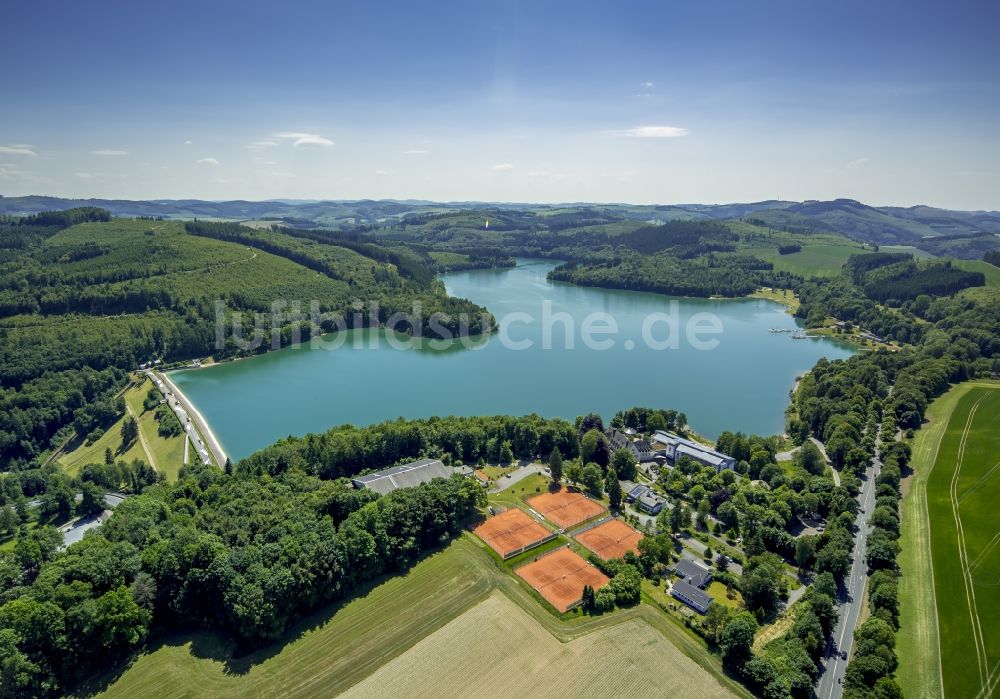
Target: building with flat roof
(677,446)
(634,491)
(698,600)
(693,572)
(407,476)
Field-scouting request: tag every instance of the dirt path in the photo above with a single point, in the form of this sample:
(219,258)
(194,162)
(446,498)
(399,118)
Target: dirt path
(142,438)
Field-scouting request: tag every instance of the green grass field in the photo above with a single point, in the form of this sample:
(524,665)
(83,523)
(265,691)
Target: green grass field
(339,647)
(79,454)
(814,260)
(991,273)
(951,559)
(785,297)
(916,252)
(166,454)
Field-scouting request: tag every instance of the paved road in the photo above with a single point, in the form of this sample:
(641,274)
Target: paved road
(515,476)
(832,669)
(201,425)
(698,549)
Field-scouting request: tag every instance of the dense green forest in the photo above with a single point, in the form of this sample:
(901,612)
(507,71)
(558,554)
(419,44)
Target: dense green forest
(711,275)
(349,450)
(238,553)
(84,298)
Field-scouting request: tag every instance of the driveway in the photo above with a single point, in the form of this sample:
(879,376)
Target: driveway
(516,476)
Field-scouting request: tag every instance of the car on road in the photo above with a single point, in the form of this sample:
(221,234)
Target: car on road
(843,655)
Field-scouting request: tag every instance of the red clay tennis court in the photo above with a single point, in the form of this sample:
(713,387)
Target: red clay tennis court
(511,532)
(560,577)
(611,539)
(565,509)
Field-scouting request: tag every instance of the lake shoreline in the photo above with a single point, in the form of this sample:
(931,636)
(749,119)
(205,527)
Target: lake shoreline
(364,380)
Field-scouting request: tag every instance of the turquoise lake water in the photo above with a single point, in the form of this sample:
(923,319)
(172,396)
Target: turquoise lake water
(740,384)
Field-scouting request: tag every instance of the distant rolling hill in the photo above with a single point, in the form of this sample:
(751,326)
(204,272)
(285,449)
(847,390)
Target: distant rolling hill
(963,234)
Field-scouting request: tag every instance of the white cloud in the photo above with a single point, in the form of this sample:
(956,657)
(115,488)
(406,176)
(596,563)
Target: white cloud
(14,174)
(18,149)
(652,132)
(503,166)
(85,175)
(415,151)
(304,139)
(381,172)
(188,143)
(644,94)
(9,172)
(105,151)
(856,163)
(207,161)
(647,84)
(261,145)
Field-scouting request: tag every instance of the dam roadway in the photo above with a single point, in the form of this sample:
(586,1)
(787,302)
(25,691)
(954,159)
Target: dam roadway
(201,425)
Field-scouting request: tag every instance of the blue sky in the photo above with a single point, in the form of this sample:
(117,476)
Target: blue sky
(665,102)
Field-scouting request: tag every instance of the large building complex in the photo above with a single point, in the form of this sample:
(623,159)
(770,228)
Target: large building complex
(677,446)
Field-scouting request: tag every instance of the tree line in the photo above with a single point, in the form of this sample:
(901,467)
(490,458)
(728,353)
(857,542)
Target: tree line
(238,554)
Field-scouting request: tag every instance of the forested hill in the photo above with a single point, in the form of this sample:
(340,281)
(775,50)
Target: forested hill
(84,298)
(941,232)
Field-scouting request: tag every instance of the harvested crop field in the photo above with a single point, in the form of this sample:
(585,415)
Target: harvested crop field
(497,649)
(611,539)
(560,577)
(566,509)
(339,647)
(511,532)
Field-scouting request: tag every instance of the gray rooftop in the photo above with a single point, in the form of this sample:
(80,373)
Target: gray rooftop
(690,593)
(405,476)
(650,499)
(694,450)
(692,572)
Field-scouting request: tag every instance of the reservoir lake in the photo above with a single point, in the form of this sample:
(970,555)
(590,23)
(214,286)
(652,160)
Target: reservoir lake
(741,384)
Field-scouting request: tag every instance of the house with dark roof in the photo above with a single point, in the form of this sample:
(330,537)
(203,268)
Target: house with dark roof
(693,573)
(407,476)
(699,600)
(640,448)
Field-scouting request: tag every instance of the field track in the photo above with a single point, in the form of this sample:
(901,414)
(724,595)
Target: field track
(950,560)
